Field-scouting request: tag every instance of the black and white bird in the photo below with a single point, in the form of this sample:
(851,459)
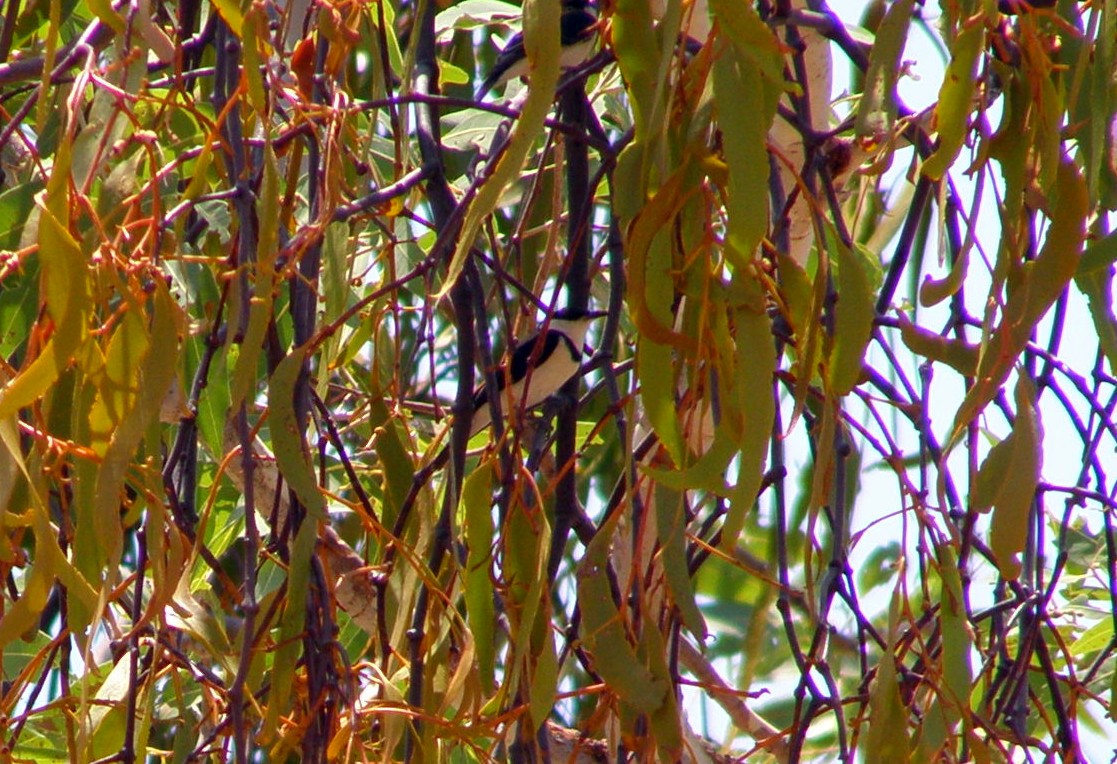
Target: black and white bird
(578,29)
(543,363)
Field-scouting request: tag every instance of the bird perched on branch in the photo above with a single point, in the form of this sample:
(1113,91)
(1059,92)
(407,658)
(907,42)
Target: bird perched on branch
(543,363)
(578,28)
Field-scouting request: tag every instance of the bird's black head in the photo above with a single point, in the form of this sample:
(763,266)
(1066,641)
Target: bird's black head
(577,314)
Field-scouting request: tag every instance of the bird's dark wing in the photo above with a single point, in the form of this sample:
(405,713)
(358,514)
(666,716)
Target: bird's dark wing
(512,54)
(578,25)
(520,358)
(523,352)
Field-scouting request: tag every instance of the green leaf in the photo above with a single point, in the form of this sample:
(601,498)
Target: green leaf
(755,365)
(290,625)
(1098,256)
(634,44)
(665,722)
(604,635)
(476,500)
(16,207)
(527,541)
(876,113)
(855,314)
(20,655)
(749,71)
(69,304)
(544,678)
(654,369)
(670,509)
(887,736)
(650,266)
(952,701)
(752,38)
(1095,638)
(933,291)
(288,440)
(957,354)
(139,369)
(19,299)
(1007,481)
(956,97)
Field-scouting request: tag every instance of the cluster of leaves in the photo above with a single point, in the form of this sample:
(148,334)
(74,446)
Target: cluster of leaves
(243,243)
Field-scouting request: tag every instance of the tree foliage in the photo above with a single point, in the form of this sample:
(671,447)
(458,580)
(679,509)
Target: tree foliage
(837,480)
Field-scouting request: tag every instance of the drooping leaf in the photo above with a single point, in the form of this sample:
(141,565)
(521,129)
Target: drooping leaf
(1040,284)
(855,312)
(476,500)
(604,633)
(956,97)
(68,299)
(876,112)
(887,737)
(541,42)
(958,354)
(288,441)
(290,625)
(1007,480)
(671,525)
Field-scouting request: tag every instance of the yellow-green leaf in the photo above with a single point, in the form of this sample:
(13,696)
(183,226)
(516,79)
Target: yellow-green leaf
(544,679)
(755,366)
(1098,256)
(255,32)
(855,312)
(741,75)
(957,354)
(751,36)
(933,291)
(230,11)
(66,288)
(956,97)
(647,247)
(876,113)
(634,44)
(476,501)
(290,625)
(887,736)
(1007,481)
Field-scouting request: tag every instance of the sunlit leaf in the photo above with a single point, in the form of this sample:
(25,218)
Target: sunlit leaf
(68,303)
(955,100)
(876,112)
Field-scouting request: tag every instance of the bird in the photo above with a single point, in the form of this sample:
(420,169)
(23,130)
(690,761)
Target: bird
(544,363)
(578,28)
